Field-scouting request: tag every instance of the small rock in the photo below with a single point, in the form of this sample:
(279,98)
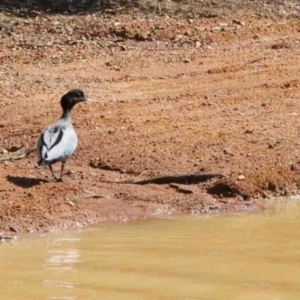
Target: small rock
(186,60)
(270,146)
(294,114)
(178,37)
(142,36)
(188,33)
(13,229)
(238,22)
(41,65)
(70,172)
(198,45)
(27,21)
(241,177)
(248,131)
(227,151)
(4,151)
(223,24)
(217,28)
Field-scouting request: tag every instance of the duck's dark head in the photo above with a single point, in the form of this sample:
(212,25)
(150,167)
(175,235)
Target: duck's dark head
(71,98)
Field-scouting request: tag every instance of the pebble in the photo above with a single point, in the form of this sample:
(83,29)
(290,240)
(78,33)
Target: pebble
(227,151)
(223,24)
(241,177)
(217,28)
(238,22)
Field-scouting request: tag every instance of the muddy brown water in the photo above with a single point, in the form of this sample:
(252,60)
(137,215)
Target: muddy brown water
(254,256)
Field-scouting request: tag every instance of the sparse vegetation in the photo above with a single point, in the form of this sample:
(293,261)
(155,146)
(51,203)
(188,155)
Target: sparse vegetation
(178,8)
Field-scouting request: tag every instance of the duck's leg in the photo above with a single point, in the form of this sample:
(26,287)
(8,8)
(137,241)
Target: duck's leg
(50,167)
(54,176)
(62,169)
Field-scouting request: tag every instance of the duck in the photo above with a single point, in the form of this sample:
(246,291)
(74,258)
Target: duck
(59,140)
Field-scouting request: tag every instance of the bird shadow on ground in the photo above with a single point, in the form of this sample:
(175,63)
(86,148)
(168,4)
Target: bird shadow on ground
(25,182)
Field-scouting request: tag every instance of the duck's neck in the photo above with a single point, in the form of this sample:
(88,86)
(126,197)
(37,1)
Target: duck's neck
(66,115)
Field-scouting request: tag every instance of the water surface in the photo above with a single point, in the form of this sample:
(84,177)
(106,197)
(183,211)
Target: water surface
(254,256)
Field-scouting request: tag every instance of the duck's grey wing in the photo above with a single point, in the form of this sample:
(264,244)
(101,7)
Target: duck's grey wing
(56,143)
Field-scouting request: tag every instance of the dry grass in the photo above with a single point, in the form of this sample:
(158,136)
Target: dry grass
(179,8)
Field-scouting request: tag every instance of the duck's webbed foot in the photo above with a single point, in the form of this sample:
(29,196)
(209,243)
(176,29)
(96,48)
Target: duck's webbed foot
(58,179)
(54,176)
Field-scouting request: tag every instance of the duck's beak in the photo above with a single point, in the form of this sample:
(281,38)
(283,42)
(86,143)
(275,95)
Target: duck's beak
(85,99)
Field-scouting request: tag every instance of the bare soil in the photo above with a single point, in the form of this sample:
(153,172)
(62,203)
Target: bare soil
(171,96)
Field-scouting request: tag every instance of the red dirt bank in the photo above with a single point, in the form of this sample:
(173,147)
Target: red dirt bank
(169,97)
